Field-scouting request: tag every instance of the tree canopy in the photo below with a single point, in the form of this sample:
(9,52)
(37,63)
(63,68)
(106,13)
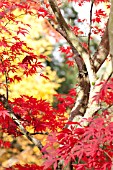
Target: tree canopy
(75,130)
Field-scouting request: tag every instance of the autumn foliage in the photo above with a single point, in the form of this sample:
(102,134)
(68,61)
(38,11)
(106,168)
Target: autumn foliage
(77,136)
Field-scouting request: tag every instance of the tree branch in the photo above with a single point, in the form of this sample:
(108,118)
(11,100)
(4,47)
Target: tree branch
(110,29)
(89,35)
(39,133)
(86,74)
(68,35)
(102,52)
(93,106)
(82,58)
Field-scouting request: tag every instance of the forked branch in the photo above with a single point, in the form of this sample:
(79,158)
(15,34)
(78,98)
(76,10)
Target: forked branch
(86,71)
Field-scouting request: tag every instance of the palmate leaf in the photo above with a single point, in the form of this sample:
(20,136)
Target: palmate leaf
(4,113)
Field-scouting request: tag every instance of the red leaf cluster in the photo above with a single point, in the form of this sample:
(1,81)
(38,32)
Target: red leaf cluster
(27,167)
(106,92)
(69,55)
(88,147)
(5,144)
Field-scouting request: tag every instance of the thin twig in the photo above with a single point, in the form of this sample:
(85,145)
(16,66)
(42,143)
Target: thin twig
(39,133)
(108,155)
(89,35)
(6,81)
(102,51)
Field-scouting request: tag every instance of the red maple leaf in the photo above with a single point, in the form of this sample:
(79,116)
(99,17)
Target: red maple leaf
(4,113)
(70,63)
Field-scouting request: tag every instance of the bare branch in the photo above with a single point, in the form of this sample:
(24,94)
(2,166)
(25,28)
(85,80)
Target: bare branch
(39,133)
(89,35)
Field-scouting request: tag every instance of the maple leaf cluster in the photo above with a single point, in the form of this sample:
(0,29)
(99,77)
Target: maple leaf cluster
(86,147)
(69,56)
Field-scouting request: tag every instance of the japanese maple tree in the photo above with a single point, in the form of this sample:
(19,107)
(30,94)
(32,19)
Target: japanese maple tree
(79,128)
